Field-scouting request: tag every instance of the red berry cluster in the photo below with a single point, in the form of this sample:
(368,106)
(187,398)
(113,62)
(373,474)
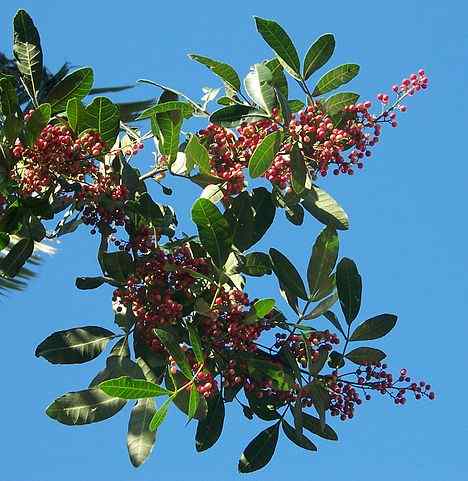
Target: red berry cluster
(313,343)
(221,145)
(55,154)
(159,290)
(344,393)
(225,329)
(103,202)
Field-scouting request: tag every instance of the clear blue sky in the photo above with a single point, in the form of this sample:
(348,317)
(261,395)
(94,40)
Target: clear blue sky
(408,236)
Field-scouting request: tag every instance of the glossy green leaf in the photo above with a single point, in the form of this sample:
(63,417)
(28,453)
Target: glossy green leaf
(257,264)
(233,115)
(318,54)
(160,415)
(195,341)
(222,70)
(335,78)
(322,307)
(118,265)
(258,84)
(198,155)
(28,52)
(287,274)
(75,85)
(297,438)
(38,120)
(213,230)
(210,428)
(322,260)
(334,320)
(74,346)
(276,37)
(11,264)
(321,399)
(317,366)
(264,154)
(313,425)
(75,114)
(102,116)
(194,400)
(260,450)
(298,170)
(365,355)
(184,108)
(296,105)
(261,369)
(374,328)
(264,213)
(140,439)
(84,407)
(175,351)
(325,209)
(10,108)
(128,388)
(349,286)
(259,310)
(182,400)
(336,103)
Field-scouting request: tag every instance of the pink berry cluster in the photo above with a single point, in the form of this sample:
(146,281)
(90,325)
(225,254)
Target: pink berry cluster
(103,202)
(55,155)
(344,393)
(224,328)
(159,290)
(325,140)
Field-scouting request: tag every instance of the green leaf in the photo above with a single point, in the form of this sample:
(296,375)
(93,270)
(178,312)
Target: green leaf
(317,366)
(194,400)
(260,450)
(325,209)
(321,399)
(160,415)
(264,154)
(16,257)
(166,128)
(295,105)
(365,355)
(258,84)
(175,351)
(374,328)
(140,439)
(222,70)
(335,78)
(313,425)
(74,346)
(259,310)
(318,54)
(336,103)
(10,108)
(184,108)
(213,230)
(197,154)
(279,79)
(182,400)
(233,115)
(322,307)
(299,170)
(287,274)
(39,119)
(125,387)
(275,36)
(75,85)
(118,265)
(349,286)
(4,240)
(195,341)
(75,114)
(261,407)
(334,320)
(257,264)
(84,407)
(322,260)
(297,438)
(102,116)
(261,369)
(210,428)
(28,53)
